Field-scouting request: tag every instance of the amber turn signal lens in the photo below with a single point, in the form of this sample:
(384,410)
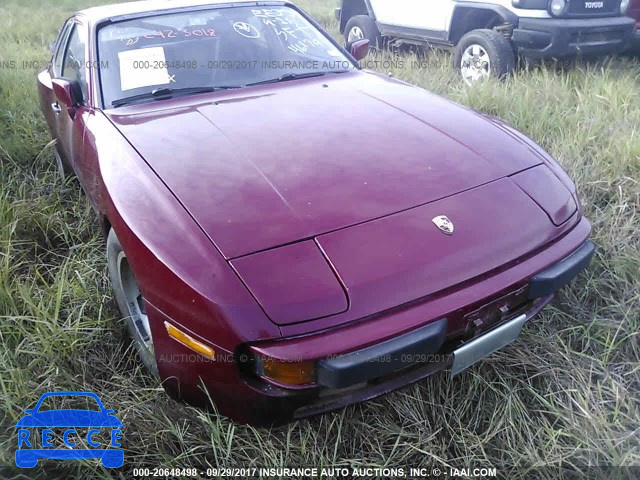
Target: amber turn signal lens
(287,373)
(190,342)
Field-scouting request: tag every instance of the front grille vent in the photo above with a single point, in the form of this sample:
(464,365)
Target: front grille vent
(592,8)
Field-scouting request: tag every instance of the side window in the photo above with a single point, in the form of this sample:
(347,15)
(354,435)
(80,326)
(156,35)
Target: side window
(74,65)
(60,46)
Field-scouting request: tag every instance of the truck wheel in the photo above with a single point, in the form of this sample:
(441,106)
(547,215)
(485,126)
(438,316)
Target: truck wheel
(362,27)
(483,53)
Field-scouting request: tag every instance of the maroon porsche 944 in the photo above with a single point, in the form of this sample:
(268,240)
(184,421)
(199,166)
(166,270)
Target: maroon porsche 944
(285,230)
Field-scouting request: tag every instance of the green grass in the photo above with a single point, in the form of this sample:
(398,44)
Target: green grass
(567,394)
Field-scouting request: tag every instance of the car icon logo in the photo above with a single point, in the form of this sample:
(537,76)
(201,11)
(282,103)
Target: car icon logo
(57,433)
(444,224)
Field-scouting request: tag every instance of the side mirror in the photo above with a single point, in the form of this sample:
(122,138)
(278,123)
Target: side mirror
(30,411)
(68,92)
(360,49)
(109,411)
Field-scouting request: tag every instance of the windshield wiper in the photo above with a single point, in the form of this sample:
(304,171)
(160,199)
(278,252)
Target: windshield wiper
(166,92)
(295,76)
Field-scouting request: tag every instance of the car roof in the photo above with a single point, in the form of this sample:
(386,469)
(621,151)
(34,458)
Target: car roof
(105,12)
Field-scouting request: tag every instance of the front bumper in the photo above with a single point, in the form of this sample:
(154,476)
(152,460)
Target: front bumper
(352,374)
(396,354)
(564,38)
(383,358)
(376,370)
(553,279)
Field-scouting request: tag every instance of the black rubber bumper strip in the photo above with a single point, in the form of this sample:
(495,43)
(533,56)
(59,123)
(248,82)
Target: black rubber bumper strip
(383,358)
(556,277)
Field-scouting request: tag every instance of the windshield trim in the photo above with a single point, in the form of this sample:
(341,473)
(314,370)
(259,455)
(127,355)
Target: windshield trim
(100,104)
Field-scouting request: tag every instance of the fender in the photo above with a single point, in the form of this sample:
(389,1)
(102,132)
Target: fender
(165,246)
(351,8)
(551,162)
(464,13)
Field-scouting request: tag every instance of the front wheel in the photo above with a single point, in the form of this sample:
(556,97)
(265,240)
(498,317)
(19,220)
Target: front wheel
(362,27)
(130,301)
(481,54)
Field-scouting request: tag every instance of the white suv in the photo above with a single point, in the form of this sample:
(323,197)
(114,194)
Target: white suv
(488,34)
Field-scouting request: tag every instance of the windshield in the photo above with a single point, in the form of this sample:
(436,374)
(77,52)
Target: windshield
(223,47)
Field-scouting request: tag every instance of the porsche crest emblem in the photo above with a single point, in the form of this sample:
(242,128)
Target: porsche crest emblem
(444,224)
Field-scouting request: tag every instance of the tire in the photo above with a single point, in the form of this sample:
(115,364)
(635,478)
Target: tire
(130,302)
(483,53)
(362,27)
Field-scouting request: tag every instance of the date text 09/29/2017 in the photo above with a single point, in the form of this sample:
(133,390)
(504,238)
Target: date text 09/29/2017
(316,472)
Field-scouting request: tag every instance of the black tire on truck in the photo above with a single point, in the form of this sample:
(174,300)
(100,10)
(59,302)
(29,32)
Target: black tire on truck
(362,27)
(483,53)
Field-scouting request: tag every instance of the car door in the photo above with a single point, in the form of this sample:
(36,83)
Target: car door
(70,124)
(45,88)
(423,15)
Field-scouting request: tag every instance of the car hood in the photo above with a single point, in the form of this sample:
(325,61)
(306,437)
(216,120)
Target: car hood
(267,166)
